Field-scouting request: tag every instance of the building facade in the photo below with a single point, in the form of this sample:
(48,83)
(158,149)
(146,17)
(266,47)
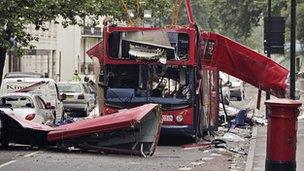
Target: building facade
(58,53)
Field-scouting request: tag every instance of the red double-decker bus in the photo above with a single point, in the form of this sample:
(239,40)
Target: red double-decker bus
(177,68)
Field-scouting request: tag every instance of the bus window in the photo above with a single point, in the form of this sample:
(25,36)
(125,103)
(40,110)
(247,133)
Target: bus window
(149,45)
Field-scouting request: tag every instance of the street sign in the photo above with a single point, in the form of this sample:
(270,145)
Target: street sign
(274,35)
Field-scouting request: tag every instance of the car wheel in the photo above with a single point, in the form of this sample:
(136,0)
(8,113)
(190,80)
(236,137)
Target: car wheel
(86,111)
(3,134)
(239,98)
(243,95)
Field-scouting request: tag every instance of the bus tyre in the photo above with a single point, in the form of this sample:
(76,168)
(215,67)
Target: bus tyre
(200,130)
(86,111)
(200,124)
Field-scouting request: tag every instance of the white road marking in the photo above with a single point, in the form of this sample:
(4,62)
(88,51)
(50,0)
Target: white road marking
(31,154)
(7,163)
(197,163)
(13,161)
(185,168)
(207,158)
(215,155)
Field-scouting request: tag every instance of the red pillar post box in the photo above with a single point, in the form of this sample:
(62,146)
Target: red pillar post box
(281,134)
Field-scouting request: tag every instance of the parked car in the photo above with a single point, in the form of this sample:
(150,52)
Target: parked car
(46,88)
(77,97)
(28,106)
(225,88)
(237,89)
(91,89)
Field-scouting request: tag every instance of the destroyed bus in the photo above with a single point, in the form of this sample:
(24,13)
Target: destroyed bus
(178,68)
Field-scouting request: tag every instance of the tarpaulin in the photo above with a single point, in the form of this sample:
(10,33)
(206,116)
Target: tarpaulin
(244,63)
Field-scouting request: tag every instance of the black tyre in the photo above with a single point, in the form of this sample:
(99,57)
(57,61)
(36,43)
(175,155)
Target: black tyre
(3,134)
(86,111)
(239,98)
(200,127)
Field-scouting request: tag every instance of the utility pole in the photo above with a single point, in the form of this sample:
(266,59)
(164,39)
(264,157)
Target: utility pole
(293,49)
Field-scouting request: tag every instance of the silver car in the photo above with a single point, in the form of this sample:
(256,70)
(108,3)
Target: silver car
(237,89)
(76,97)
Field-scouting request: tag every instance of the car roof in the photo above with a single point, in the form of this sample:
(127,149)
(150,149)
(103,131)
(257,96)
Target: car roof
(28,79)
(19,94)
(23,75)
(69,82)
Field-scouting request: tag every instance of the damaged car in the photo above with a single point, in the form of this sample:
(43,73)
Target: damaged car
(28,106)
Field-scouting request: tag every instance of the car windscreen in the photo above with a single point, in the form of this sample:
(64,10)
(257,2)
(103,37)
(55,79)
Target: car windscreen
(16,102)
(69,88)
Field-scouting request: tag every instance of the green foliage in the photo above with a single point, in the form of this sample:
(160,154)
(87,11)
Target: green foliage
(16,14)
(300,21)
(234,18)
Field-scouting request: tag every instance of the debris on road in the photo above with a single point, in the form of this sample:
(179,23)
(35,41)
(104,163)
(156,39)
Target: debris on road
(232,137)
(217,143)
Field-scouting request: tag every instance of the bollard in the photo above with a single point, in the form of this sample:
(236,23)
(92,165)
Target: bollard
(281,134)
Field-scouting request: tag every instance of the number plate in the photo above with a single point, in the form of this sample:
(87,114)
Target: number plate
(70,96)
(167,118)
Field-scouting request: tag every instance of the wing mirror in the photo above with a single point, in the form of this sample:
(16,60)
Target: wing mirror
(49,106)
(63,96)
(229,84)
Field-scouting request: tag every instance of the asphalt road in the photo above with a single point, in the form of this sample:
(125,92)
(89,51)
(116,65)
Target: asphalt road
(166,157)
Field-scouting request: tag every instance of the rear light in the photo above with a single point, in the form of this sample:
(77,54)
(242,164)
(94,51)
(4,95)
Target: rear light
(81,96)
(179,118)
(110,110)
(30,116)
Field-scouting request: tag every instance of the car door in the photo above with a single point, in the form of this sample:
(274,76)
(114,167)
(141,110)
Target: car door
(42,110)
(59,104)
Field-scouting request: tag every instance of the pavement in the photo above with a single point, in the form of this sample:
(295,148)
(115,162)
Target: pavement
(257,152)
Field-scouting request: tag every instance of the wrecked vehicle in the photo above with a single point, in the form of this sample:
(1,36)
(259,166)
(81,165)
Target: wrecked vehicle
(177,67)
(46,88)
(134,131)
(27,106)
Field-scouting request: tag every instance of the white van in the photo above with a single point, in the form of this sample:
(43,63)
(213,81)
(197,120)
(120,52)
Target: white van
(46,88)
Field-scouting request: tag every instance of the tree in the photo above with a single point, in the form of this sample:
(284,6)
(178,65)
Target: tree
(16,14)
(300,21)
